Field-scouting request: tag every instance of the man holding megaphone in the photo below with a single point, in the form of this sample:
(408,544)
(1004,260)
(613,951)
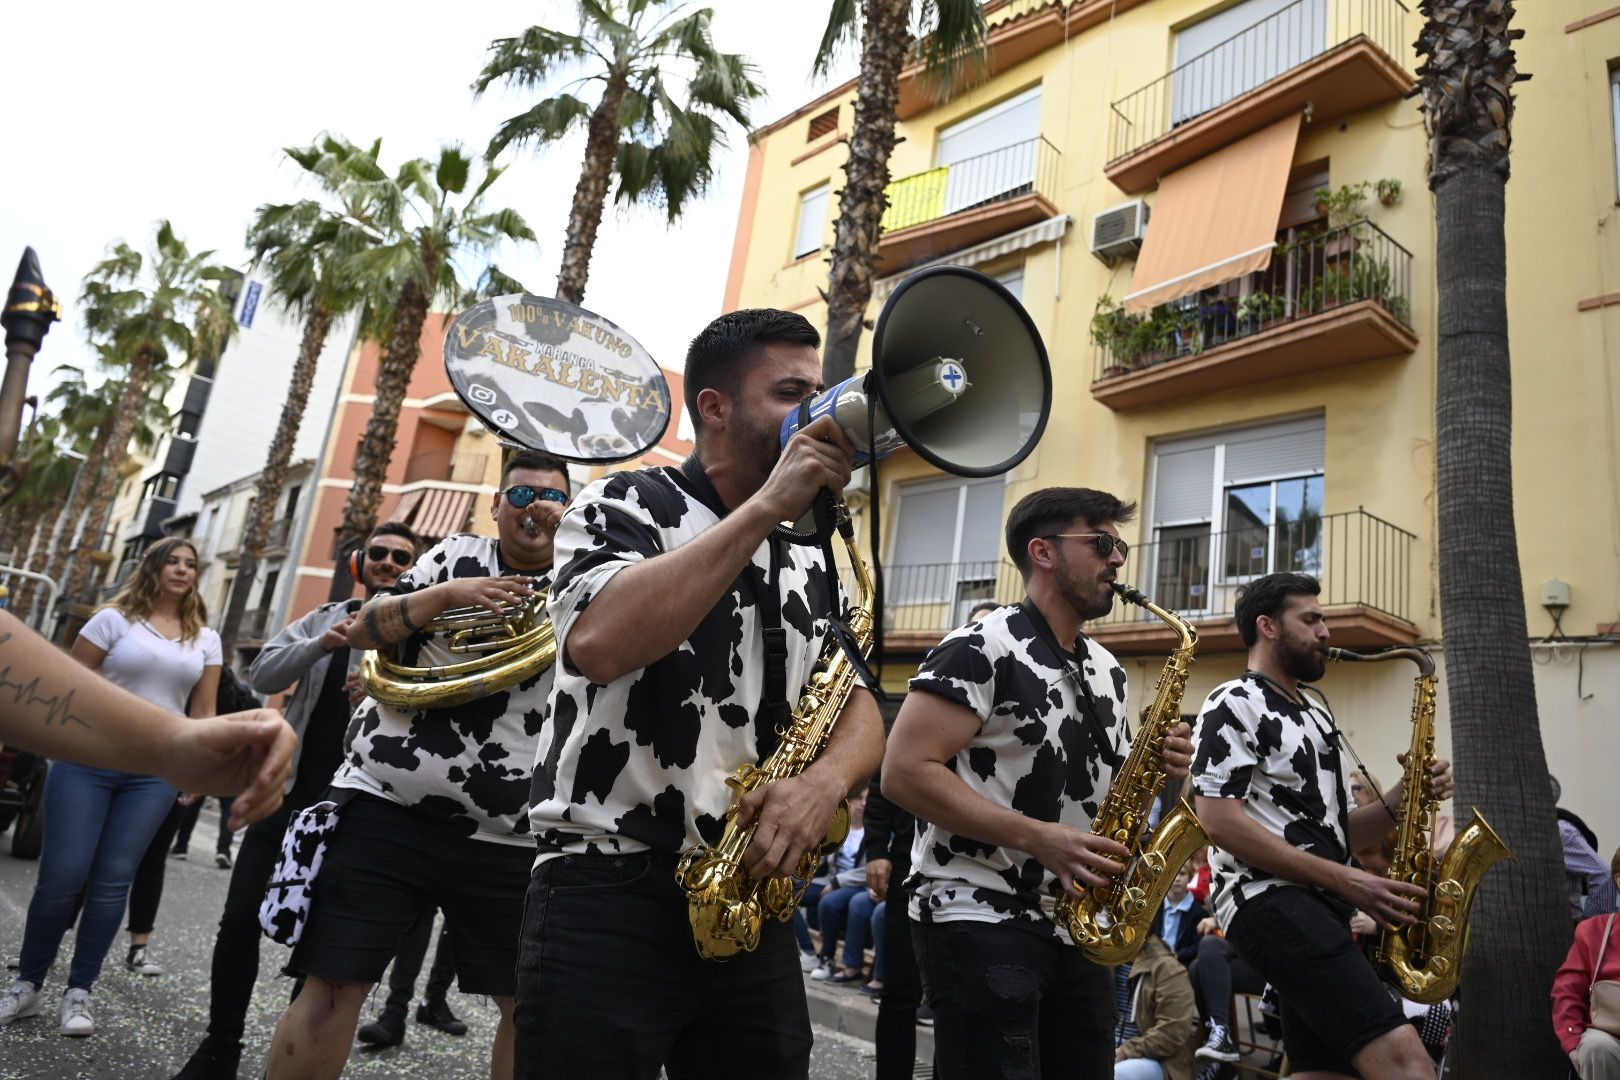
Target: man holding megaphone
(669,583)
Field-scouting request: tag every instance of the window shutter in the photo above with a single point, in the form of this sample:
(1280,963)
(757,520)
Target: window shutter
(1184,485)
(927,529)
(812,218)
(981,527)
(1276,450)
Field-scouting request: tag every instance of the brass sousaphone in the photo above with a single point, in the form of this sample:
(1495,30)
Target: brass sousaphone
(542,375)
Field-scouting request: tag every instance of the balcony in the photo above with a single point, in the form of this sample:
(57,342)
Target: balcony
(1324,58)
(966,203)
(276,538)
(1363,562)
(1329,298)
(447,466)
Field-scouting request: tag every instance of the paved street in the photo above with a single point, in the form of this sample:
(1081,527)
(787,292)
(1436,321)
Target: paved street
(147,1027)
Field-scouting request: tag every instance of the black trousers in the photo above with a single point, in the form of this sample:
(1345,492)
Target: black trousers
(408,964)
(610,985)
(235,967)
(188,821)
(146,893)
(1215,974)
(902,987)
(1013,1004)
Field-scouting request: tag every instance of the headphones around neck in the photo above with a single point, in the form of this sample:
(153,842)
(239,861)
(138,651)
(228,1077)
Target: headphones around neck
(357,563)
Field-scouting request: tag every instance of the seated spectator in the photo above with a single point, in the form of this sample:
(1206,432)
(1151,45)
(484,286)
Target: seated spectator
(1584,871)
(806,918)
(1158,1023)
(1594,957)
(846,879)
(1203,876)
(1177,921)
(1216,974)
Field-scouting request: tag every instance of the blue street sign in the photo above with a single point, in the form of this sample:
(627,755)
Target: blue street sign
(250,303)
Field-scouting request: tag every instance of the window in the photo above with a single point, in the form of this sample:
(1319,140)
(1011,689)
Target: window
(292,499)
(947,544)
(1233,505)
(1231,53)
(825,124)
(812,221)
(1013,281)
(991,154)
(1614,118)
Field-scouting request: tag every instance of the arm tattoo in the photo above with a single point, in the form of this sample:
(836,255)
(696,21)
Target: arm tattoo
(58,709)
(405,615)
(370,615)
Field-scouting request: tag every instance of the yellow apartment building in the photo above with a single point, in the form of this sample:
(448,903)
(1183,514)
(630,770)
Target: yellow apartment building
(1218,217)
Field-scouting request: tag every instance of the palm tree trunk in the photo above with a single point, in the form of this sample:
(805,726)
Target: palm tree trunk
(885,44)
(590,194)
(38,554)
(1519,930)
(74,509)
(273,478)
(100,495)
(377,445)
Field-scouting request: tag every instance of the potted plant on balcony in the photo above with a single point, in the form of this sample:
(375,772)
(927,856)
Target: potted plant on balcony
(1117,333)
(1343,205)
(1389,191)
(1260,309)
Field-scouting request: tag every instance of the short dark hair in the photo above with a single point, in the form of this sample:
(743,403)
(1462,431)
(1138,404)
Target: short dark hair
(537,461)
(1049,510)
(720,353)
(1268,596)
(399,529)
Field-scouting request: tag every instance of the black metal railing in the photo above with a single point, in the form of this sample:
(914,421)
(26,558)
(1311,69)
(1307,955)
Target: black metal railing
(1271,47)
(446,465)
(1360,560)
(996,176)
(280,532)
(1312,271)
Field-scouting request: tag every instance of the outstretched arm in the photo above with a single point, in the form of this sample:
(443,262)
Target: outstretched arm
(52,706)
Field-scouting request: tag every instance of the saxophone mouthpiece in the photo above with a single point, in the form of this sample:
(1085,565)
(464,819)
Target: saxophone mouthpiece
(1133,595)
(531,526)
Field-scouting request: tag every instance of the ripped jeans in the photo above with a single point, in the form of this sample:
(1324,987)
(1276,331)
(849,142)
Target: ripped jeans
(1014,1004)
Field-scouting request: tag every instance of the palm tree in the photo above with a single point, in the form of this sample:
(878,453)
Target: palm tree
(38,504)
(1520,927)
(660,148)
(425,228)
(307,249)
(146,310)
(952,51)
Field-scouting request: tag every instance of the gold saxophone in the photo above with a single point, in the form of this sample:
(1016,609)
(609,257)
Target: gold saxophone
(725,906)
(503,649)
(1425,957)
(1110,922)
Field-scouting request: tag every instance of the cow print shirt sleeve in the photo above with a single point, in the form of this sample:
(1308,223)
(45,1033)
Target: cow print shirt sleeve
(606,529)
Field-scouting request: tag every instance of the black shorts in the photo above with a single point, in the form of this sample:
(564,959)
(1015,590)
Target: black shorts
(385,865)
(1333,1002)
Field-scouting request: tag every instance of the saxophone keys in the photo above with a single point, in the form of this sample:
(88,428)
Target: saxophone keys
(1449,889)
(1441,927)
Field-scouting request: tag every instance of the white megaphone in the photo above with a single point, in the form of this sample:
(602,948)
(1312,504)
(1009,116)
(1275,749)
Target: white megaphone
(959,374)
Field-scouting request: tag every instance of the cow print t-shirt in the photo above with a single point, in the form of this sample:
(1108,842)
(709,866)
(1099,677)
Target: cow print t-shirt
(469,763)
(641,762)
(1052,732)
(1277,756)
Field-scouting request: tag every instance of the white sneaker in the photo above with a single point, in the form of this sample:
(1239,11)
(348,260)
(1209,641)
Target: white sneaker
(141,963)
(19,1003)
(823,970)
(76,1020)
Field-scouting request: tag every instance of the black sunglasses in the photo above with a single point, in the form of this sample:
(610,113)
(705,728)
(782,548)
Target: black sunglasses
(377,553)
(1105,543)
(521,495)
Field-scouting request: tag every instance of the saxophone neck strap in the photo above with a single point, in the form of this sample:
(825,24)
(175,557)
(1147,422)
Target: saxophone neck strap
(765,589)
(1111,749)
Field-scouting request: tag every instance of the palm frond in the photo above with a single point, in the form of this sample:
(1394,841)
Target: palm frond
(545,122)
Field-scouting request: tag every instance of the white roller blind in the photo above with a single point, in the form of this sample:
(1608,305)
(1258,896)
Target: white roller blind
(812,217)
(926,532)
(1282,450)
(981,522)
(1210,72)
(991,152)
(1013,280)
(1184,485)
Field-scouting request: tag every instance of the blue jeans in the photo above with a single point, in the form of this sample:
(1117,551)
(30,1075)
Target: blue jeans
(832,912)
(98,823)
(1138,1069)
(802,923)
(858,929)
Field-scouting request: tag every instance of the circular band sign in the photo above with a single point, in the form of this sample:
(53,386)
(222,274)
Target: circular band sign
(557,378)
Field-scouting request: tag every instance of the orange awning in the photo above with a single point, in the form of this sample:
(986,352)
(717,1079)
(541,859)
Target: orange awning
(1216,219)
(434,513)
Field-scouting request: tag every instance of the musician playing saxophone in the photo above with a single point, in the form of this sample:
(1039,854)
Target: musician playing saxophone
(1007,746)
(436,796)
(1271,793)
(668,583)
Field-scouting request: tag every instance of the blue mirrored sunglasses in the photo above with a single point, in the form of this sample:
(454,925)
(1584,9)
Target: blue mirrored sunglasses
(521,495)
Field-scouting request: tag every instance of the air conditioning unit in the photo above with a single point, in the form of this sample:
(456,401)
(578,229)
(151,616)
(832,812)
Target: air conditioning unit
(1117,232)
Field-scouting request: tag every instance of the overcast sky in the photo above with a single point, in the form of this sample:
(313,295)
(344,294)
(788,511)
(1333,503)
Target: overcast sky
(118,115)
